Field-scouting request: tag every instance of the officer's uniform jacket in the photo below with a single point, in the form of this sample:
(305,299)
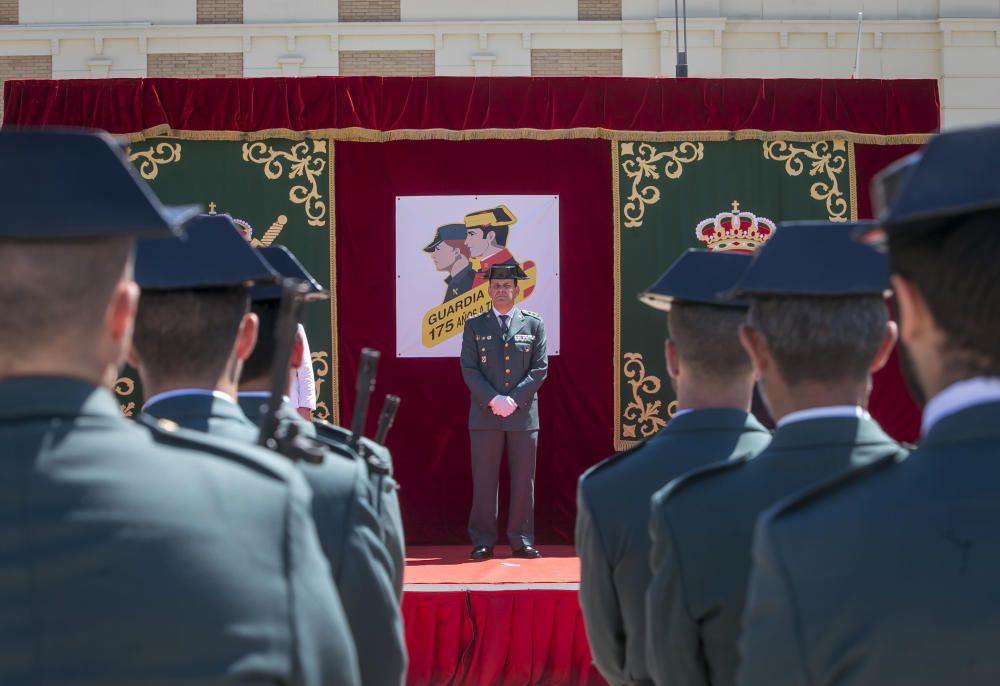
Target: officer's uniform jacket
(349,533)
(377,462)
(889,575)
(612,532)
(146,555)
(515,366)
(701,528)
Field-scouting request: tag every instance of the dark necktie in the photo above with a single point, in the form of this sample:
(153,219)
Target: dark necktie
(503,325)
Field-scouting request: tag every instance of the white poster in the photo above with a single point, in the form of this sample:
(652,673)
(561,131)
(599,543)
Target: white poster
(445,245)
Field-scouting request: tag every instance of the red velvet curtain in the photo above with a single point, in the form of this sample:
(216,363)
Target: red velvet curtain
(498,638)
(430,440)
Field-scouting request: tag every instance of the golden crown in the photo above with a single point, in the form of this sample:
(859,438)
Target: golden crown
(736,231)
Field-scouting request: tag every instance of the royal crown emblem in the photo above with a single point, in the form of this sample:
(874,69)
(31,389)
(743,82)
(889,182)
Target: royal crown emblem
(736,231)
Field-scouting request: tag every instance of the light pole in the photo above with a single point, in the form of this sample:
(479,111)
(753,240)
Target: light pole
(682,57)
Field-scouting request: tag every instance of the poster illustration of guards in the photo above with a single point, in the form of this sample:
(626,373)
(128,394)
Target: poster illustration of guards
(445,246)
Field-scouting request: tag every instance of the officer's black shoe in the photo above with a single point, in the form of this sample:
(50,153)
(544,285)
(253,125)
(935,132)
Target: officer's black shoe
(528,552)
(480,553)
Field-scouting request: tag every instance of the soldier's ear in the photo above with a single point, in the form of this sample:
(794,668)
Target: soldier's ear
(246,337)
(673,358)
(755,345)
(886,346)
(915,319)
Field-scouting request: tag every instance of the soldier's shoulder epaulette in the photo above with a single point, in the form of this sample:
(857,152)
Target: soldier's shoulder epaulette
(336,437)
(700,475)
(532,314)
(478,317)
(836,485)
(610,461)
(169,433)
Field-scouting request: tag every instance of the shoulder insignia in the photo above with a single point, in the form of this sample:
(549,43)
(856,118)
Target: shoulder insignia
(531,314)
(706,472)
(167,424)
(796,502)
(259,459)
(614,459)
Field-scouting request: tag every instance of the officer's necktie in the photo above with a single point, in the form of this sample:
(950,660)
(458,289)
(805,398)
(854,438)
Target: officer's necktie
(503,325)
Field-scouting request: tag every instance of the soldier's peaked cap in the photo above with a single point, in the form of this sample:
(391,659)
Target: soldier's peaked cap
(507,271)
(68,184)
(698,276)
(952,177)
(212,254)
(448,232)
(287,266)
(814,259)
(496,216)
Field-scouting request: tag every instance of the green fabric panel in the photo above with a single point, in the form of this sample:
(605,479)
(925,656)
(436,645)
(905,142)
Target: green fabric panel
(664,191)
(282,189)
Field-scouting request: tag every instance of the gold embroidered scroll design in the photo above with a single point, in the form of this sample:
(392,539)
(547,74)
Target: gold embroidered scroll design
(125,387)
(826,159)
(306,160)
(643,413)
(154,157)
(644,165)
(321,369)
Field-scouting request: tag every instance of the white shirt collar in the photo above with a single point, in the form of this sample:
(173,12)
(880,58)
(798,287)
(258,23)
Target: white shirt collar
(509,315)
(829,412)
(681,413)
(959,396)
(188,391)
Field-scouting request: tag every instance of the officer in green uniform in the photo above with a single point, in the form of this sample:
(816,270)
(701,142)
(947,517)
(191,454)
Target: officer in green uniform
(375,614)
(193,331)
(504,364)
(817,329)
(889,576)
(713,379)
(131,554)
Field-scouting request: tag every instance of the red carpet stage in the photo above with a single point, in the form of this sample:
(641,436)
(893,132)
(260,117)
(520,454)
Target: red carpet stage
(504,621)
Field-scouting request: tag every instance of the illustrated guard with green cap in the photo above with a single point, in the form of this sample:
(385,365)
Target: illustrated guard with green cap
(504,363)
(193,331)
(450,253)
(134,554)
(375,613)
(817,329)
(889,575)
(713,380)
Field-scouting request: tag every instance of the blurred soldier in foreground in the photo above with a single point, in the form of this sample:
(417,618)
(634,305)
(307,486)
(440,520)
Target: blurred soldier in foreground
(889,576)
(366,580)
(193,331)
(132,554)
(713,379)
(817,329)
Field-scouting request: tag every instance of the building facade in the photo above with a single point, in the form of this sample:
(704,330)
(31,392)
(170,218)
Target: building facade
(954,41)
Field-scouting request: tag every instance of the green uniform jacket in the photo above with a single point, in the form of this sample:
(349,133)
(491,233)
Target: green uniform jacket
(514,367)
(377,461)
(141,556)
(612,532)
(702,528)
(349,532)
(888,576)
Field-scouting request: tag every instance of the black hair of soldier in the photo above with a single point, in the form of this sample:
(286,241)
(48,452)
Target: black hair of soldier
(955,268)
(180,334)
(500,233)
(261,360)
(707,339)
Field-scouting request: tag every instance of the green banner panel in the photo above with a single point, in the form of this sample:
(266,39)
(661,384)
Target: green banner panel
(282,190)
(664,192)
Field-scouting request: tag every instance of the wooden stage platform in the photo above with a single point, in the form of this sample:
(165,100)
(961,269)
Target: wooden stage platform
(500,622)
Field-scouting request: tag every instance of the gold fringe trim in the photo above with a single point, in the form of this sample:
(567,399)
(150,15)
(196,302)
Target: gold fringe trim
(853,175)
(362,135)
(617,280)
(334,329)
